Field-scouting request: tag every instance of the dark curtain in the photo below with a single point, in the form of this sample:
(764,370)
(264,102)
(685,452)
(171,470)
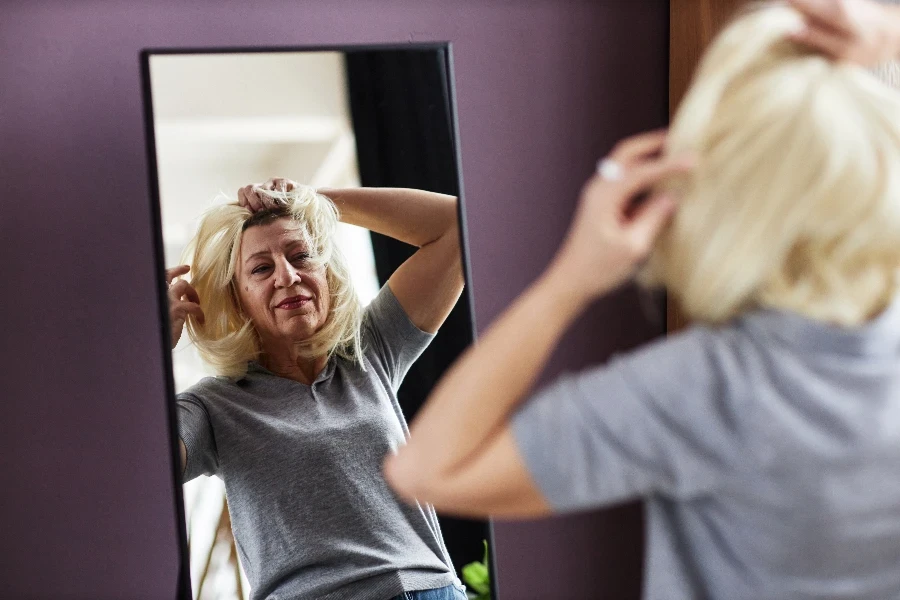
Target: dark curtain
(400,105)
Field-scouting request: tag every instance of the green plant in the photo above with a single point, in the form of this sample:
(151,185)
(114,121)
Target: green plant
(478,577)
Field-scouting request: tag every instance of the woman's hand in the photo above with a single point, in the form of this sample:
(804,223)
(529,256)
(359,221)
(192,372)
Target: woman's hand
(860,31)
(183,301)
(251,198)
(614,227)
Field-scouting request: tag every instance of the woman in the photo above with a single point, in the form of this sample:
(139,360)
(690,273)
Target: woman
(305,408)
(765,439)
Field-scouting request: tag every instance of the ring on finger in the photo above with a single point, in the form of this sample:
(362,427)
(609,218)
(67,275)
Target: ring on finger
(610,170)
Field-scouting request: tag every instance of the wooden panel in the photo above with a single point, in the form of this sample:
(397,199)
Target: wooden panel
(692,25)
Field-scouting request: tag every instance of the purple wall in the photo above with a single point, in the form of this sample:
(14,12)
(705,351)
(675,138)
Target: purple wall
(544,87)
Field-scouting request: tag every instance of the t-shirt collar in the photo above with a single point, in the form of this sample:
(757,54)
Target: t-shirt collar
(879,336)
(326,374)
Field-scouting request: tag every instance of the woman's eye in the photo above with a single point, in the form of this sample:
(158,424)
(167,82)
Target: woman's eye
(301,257)
(259,269)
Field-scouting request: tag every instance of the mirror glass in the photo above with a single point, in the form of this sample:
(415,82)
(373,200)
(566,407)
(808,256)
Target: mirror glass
(307,364)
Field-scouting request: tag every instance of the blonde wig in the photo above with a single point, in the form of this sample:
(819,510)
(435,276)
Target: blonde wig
(228,339)
(795,202)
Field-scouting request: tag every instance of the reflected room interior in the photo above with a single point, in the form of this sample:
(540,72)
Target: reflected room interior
(327,119)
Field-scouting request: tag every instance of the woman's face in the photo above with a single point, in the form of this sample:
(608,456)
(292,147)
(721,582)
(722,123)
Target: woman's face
(280,290)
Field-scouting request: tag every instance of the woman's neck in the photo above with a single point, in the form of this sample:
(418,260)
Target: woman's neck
(292,366)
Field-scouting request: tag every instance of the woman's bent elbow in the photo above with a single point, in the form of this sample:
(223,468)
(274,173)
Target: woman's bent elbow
(406,481)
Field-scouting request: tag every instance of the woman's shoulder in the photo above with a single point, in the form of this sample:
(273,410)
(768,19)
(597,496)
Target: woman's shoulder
(385,318)
(209,388)
(699,356)
(385,311)
(688,344)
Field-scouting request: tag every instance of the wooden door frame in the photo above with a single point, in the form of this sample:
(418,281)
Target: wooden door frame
(692,25)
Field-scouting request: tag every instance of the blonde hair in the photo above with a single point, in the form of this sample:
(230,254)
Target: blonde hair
(888,73)
(228,339)
(795,202)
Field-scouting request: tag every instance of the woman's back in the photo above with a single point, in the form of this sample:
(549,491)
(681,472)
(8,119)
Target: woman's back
(768,451)
(812,506)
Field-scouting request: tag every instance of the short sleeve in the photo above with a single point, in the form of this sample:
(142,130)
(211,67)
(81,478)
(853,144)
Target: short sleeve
(391,337)
(655,421)
(195,430)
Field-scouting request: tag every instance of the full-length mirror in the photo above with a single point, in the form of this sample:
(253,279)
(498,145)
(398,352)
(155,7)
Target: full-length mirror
(313,253)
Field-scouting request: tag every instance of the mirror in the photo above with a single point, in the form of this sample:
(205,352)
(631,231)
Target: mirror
(307,364)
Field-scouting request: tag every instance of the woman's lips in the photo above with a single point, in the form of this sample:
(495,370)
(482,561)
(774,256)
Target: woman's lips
(293,303)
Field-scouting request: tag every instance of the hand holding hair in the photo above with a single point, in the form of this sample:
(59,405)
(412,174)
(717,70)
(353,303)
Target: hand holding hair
(253,196)
(865,32)
(183,301)
(611,234)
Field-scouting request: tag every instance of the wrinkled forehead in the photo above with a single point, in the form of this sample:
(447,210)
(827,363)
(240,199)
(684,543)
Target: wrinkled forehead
(274,235)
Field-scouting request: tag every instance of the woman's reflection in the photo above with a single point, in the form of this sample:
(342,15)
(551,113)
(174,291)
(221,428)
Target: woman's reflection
(305,409)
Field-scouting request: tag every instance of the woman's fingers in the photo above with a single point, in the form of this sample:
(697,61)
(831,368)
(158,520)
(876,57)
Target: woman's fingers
(279,184)
(639,226)
(248,198)
(264,200)
(254,197)
(831,44)
(256,200)
(276,184)
(649,220)
(831,15)
(178,314)
(826,14)
(642,225)
(637,148)
(183,300)
(174,272)
(827,29)
(860,31)
(181,289)
(181,310)
(643,177)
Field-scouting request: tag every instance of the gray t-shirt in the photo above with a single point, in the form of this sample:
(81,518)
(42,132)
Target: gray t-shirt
(311,513)
(768,453)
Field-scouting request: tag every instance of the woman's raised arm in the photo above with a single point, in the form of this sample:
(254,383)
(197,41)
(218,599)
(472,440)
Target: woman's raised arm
(472,466)
(428,283)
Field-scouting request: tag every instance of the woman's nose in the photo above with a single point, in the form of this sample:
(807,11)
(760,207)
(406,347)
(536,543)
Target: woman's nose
(285,274)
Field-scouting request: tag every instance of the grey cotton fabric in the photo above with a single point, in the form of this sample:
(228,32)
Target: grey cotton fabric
(767,452)
(311,513)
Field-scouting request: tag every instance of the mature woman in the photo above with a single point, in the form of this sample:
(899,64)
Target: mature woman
(765,439)
(305,409)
